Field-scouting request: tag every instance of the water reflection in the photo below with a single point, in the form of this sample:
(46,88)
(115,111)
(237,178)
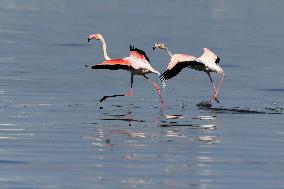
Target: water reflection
(189,121)
(208,139)
(121,117)
(9,131)
(123,153)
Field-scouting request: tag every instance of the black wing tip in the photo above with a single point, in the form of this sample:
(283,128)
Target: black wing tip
(111,67)
(163,79)
(164,76)
(217,60)
(132,48)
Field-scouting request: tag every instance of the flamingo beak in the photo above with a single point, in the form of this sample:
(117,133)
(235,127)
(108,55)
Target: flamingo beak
(90,37)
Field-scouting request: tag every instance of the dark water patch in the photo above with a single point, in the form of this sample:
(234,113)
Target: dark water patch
(169,125)
(90,123)
(272,90)
(12,162)
(116,115)
(238,110)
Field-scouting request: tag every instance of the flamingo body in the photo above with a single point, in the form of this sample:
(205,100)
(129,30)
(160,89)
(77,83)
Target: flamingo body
(137,63)
(208,62)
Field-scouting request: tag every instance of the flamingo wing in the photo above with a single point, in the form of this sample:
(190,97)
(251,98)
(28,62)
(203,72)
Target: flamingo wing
(114,64)
(209,56)
(138,53)
(170,73)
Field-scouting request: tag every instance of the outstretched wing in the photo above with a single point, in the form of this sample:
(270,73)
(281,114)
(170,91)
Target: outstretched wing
(114,64)
(209,56)
(138,53)
(170,73)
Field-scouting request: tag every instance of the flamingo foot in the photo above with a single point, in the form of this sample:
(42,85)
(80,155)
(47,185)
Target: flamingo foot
(130,93)
(215,97)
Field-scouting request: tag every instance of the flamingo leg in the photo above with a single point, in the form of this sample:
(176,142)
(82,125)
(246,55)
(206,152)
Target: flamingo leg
(156,86)
(214,97)
(129,93)
(219,85)
(212,83)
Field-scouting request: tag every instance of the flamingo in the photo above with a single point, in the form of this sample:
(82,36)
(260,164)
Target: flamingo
(208,62)
(137,63)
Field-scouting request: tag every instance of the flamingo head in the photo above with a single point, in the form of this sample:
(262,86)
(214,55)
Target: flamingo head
(160,45)
(96,36)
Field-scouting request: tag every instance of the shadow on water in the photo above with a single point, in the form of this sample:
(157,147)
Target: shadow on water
(238,110)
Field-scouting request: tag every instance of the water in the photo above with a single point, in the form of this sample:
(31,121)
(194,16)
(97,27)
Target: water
(54,133)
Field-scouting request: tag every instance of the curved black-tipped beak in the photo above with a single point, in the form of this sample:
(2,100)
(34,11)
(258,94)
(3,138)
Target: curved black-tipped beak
(154,47)
(89,40)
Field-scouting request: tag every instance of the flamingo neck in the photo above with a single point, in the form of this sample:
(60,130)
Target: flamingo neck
(105,50)
(169,52)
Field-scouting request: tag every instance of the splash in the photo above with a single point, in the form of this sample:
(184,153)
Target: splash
(204,104)
(275,108)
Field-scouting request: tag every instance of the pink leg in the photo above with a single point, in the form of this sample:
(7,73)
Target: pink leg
(157,88)
(212,83)
(219,85)
(130,92)
(214,97)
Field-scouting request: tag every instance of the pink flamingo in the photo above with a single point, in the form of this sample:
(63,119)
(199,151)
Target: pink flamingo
(137,63)
(208,63)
